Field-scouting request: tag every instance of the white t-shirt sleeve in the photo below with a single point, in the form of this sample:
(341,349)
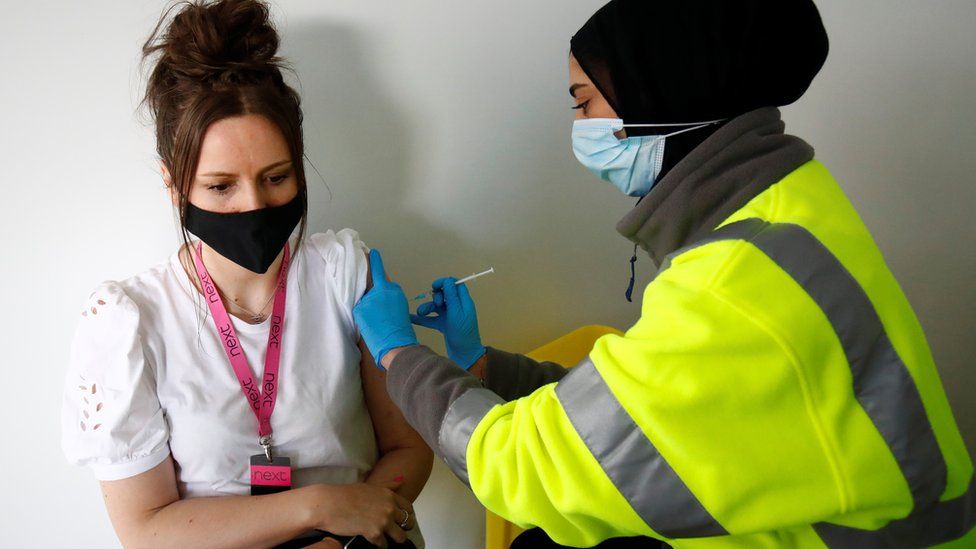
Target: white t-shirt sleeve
(346,265)
(111,417)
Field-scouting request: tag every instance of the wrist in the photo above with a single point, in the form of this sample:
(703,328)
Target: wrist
(390,355)
(469,358)
(480,368)
(313,506)
(395,339)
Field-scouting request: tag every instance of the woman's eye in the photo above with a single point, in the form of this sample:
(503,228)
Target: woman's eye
(277,179)
(581,106)
(219,189)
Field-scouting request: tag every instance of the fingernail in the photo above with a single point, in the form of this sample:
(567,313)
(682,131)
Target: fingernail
(398,479)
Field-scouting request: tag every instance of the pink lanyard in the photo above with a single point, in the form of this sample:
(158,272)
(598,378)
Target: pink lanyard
(262,404)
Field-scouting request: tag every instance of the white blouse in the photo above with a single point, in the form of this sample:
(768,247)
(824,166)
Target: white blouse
(148,378)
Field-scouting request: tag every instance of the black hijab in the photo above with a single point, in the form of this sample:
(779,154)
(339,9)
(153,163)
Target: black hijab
(661,61)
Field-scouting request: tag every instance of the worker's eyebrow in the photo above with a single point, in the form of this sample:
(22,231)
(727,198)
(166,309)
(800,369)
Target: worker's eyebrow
(574,87)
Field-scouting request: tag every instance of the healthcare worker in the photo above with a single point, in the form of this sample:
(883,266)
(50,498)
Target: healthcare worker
(777,391)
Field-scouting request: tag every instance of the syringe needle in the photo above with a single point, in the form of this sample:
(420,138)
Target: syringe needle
(429,293)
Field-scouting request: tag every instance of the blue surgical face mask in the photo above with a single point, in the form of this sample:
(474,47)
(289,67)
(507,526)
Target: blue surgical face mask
(632,164)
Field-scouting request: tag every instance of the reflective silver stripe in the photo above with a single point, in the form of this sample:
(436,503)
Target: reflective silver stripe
(464,414)
(630,460)
(940,523)
(882,384)
(740,230)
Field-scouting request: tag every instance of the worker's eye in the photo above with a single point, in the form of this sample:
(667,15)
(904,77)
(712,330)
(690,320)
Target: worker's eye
(581,106)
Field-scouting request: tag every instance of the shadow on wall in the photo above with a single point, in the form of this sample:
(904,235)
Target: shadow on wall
(520,196)
(358,142)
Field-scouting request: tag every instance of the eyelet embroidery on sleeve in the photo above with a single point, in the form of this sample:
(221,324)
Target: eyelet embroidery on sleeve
(92,405)
(94,310)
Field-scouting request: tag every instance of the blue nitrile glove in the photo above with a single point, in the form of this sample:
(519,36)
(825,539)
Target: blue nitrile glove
(456,319)
(383,315)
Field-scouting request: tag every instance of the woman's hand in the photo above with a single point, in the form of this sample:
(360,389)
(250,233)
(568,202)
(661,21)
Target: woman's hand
(327,543)
(369,510)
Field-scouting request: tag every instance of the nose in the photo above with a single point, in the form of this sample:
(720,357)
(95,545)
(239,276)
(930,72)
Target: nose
(254,197)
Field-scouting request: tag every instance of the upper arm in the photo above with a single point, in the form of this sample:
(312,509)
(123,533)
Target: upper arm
(112,420)
(392,429)
(346,264)
(514,376)
(348,269)
(132,502)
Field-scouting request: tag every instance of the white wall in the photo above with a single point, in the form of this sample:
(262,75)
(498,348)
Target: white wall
(442,129)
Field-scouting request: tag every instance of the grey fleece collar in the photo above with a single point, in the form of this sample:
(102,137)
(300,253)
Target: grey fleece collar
(734,165)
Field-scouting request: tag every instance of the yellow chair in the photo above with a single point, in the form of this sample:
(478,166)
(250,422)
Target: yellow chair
(567,350)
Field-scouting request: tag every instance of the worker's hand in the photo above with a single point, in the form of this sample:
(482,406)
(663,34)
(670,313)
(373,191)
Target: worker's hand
(456,318)
(382,315)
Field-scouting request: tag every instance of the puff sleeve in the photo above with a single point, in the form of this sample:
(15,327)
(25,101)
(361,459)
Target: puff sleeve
(347,268)
(112,420)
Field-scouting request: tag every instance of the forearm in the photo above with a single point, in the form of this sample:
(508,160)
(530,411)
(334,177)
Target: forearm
(411,464)
(225,521)
(423,385)
(403,453)
(513,376)
(509,375)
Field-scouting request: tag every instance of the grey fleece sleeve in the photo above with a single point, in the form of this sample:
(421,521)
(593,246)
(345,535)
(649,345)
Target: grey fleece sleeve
(423,385)
(445,404)
(514,376)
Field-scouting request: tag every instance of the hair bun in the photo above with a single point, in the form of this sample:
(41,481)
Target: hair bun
(226,42)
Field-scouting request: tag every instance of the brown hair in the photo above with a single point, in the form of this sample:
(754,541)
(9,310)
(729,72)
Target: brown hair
(217,60)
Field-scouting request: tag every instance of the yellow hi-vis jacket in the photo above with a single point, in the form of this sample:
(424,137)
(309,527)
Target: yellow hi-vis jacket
(777,391)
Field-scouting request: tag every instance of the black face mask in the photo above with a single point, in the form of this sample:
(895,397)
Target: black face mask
(251,239)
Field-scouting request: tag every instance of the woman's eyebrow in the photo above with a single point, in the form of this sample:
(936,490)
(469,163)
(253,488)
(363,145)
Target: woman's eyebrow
(266,169)
(574,87)
(279,163)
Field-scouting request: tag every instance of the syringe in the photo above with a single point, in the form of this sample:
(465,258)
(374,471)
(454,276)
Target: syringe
(430,293)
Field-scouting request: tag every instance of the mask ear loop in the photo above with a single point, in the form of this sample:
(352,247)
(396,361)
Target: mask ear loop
(697,124)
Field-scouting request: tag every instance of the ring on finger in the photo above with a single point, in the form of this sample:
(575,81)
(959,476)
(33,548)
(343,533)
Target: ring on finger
(406,519)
